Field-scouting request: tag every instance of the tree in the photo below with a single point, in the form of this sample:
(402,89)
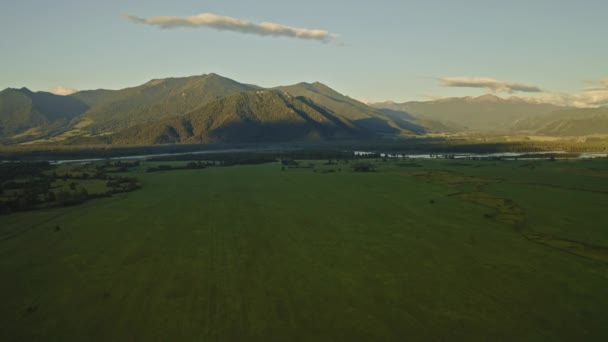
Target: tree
(364,167)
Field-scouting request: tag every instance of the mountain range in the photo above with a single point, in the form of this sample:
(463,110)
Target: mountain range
(510,115)
(487,112)
(214,109)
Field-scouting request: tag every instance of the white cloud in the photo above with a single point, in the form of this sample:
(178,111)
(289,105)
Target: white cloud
(590,97)
(586,99)
(224,23)
(490,84)
(62,91)
(598,85)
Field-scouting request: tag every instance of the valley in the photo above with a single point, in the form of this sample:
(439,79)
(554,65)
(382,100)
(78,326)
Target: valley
(303,171)
(241,252)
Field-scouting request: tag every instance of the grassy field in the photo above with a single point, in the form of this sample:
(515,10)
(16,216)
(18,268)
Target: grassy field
(419,250)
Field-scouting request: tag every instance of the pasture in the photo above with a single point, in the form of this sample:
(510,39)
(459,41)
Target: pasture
(417,250)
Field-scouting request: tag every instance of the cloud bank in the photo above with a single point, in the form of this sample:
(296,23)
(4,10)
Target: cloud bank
(62,91)
(224,23)
(590,97)
(598,85)
(490,84)
(586,99)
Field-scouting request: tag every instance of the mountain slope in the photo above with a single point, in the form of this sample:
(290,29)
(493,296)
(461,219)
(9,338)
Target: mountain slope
(22,110)
(100,113)
(157,99)
(486,112)
(569,122)
(350,109)
(415,124)
(257,116)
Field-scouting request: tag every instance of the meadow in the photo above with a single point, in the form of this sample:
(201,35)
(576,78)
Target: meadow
(417,250)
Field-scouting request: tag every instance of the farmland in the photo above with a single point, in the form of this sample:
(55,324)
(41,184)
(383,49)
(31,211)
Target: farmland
(416,249)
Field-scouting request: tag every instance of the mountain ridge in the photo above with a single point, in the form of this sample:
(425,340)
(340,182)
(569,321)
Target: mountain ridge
(483,113)
(315,112)
(109,112)
(22,110)
(255,116)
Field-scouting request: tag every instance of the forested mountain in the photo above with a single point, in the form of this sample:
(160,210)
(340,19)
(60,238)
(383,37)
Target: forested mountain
(211,108)
(22,110)
(327,113)
(158,99)
(353,110)
(256,116)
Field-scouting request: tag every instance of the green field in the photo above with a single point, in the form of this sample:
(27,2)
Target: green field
(418,250)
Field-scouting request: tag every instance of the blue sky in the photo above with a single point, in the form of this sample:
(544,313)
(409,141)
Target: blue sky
(385,50)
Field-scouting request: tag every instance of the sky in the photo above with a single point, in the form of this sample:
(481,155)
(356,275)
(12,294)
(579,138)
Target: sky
(370,50)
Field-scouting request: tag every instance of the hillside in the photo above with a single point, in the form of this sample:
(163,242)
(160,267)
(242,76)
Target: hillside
(102,113)
(353,110)
(158,99)
(257,116)
(95,115)
(487,112)
(569,122)
(22,110)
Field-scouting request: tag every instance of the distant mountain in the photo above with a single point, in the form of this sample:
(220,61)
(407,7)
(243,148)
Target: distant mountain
(255,116)
(22,110)
(416,124)
(568,122)
(487,112)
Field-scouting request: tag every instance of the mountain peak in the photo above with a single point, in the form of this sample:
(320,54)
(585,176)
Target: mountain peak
(516,99)
(22,90)
(488,98)
(155,82)
(303,84)
(214,75)
(211,76)
(312,85)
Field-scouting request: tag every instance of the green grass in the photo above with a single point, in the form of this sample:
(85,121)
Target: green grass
(256,253)
(93,186)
